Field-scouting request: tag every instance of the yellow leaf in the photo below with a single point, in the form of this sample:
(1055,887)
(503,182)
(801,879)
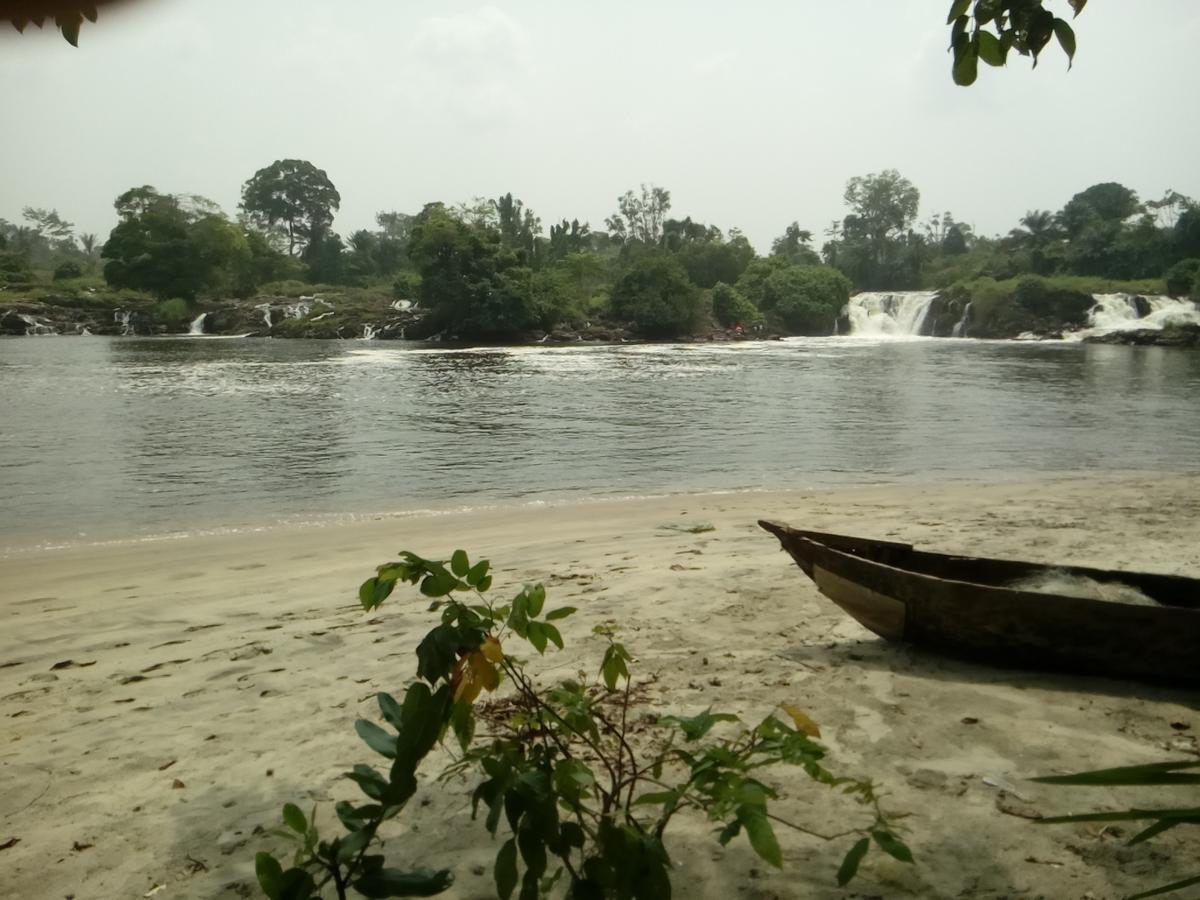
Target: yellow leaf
(491,650)
(472,674)
(803,722)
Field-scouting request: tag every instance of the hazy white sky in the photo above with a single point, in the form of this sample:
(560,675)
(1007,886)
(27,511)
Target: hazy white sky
(752,113)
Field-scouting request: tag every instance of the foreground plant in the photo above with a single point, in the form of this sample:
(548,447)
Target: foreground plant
(584,781)
(1161,819)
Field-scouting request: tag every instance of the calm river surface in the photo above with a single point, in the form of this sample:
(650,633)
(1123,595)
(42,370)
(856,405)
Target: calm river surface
(104,438)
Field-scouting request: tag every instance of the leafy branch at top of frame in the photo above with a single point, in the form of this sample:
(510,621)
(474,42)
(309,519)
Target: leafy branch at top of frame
(989,29)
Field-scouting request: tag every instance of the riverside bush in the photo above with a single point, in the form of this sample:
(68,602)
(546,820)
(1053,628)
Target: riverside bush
(582,783)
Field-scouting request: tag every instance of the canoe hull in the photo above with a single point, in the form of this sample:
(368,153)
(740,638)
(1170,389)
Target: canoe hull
(988,621)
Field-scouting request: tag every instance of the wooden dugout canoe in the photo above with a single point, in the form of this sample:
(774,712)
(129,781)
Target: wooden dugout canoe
(966,606)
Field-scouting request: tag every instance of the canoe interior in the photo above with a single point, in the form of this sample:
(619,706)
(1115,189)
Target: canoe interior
(1169,590)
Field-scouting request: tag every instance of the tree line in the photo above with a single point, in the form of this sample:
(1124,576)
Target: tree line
(488,269)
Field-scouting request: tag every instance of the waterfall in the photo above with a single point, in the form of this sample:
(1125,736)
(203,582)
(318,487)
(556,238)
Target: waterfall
(266,312)
(298,310)
(889,314)
(402,305)
(1130,312)
(960,329)
(369,332)
(122,317)
(35,326)
(197,326)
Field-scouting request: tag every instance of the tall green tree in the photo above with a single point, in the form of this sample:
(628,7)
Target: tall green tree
(641,217)
(473,288)
(794,245)
(291,197)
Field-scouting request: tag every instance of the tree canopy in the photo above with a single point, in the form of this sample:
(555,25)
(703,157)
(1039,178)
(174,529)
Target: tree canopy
(293,196)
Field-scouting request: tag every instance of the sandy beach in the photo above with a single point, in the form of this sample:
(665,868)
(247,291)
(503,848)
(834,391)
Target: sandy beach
(161,700)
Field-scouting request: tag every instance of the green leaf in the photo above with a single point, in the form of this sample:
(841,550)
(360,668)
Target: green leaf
(505,870)
(476,574)
(561,613)
(729,832)
(398,883)
(460,565)
(1143,775)
(438,584)
(1166,888)
(849,867)
(957,8)
(1077,5)
(484,584)
(612,667)
(296,884)
(89,12)
(1066,39)
(374,591)
(571,834)
(1128,815)
(70,27)
(553,634)
(1158,828)
(700,724)
(270,874)
(293,817)
(966,63)
(991,51)
(390,709)
(892,846)
(376,738)
(537,599)
(536,632)
(372,783)
(462,720)
(762,836)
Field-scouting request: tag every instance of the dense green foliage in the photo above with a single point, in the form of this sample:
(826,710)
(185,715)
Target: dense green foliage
(583,784)
(174,246)
(657,297)
(486,270)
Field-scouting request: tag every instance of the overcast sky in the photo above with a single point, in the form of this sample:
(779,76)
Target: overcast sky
(753,113)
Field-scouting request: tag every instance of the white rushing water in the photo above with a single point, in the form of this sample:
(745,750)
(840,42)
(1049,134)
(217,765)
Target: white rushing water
(889,314)
(369,332)
(1131,312)
(197,326)
(122,317)
(35,326)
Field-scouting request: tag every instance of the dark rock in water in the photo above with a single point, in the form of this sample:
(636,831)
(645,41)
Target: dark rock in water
(11,323)
(842,325)
(1141,305)
(1181,335)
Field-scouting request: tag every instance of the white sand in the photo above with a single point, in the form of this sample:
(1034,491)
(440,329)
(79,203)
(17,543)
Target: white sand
(219,677)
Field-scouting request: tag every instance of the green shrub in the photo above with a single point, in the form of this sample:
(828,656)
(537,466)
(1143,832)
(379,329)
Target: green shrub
(584,784)
(1181,277)
(67,270)
(656,297)
(807,299)
(731,308)
(173,313)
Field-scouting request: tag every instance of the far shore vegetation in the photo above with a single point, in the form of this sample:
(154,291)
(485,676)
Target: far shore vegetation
(491,270)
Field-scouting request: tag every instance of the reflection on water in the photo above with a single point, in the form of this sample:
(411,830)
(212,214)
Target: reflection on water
(105,437)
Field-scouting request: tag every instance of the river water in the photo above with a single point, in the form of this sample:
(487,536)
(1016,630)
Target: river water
(113,438)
